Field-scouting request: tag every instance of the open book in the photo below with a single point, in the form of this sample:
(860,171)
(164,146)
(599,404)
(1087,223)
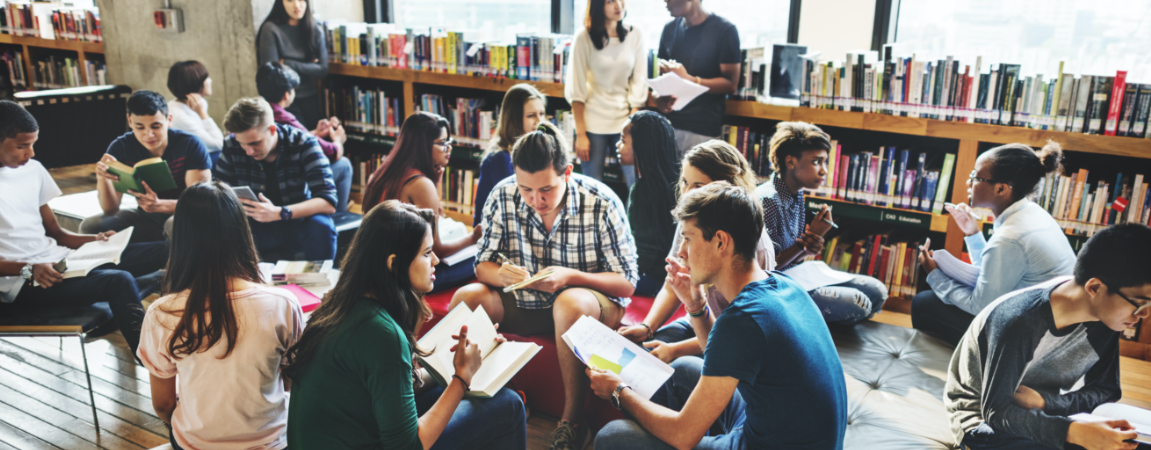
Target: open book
(955,268)
(152,170)
(1138,417)
(94,254)
(599,346)
(501,361)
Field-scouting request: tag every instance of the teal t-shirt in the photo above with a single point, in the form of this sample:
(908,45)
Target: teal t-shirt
(357,391)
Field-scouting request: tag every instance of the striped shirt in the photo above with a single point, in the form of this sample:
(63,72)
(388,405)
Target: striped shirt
(591,234)
(783,214)
(302,170)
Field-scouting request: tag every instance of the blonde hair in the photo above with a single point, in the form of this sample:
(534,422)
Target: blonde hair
(792,139)
(248,113)
(720,162)
(511,125)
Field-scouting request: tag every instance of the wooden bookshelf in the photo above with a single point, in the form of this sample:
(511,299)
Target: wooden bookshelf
(28,43)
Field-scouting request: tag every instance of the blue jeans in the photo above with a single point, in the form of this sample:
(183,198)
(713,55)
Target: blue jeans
(342,174)
(649,285)
(850,302)
(679,330)
(448,277)
(311,238)
(496,423)
(603,145)
(628,434)
(115,284)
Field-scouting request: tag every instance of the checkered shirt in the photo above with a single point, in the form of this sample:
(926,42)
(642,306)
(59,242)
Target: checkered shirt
(783,214)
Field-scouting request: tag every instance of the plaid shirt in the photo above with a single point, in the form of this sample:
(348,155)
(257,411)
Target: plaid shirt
(302,169)
(783,214)
(591,234)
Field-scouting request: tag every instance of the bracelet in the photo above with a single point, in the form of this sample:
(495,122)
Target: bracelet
(698,81)
(466,387)
(698,314)
(649,333)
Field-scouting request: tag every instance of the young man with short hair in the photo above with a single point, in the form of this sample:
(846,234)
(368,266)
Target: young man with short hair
(1011,378)
(32,242)
(769,377)
(546,218)
(151,137)
(277,84)
(286,169)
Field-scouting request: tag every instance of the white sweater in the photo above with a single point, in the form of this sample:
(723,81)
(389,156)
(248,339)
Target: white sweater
(188,121)
(608,81)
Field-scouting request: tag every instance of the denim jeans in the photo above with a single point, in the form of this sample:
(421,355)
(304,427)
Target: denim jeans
(649,285)
(496,423)
(342,174)
(850,302)
(311,238)
(110,283)
(676,331)
(603,145)
(627,434)
(930,315)
(149,227)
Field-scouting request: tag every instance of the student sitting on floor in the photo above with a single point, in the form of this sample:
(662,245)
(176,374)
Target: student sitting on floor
(31,242)
(285,167)
(522,110)
(277,84)
(798,153)
(706,163)
(151,137)
(1027,248)
(1011,378)
(648,144)
(547,219)
(770,374)
(220,330)
(191,85)
(412,173)
(354,386)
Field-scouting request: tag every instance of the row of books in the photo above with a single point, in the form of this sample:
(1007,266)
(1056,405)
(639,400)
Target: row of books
(1082,210)
(896,264)
(459,188)
(753,145)
(73,24)
(52,72)
(470,124)
(364,110)
(888,177)
(531,57)
(946,90)
(15,76)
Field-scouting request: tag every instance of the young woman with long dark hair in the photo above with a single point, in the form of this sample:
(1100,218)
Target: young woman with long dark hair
(220,329)
(354,382)
(523,108)
(290,35)
(648,145)
(412,173)
(604,83)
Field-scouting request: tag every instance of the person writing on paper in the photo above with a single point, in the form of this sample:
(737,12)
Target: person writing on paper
(523,108)
(708,162)
(412,173)
(151,137)
(548,220)
(353,382)
(1027,248)
(32,242)
(220,333)
(770,377)
(1012,380)
(798,153)
(702,48)
(604,83)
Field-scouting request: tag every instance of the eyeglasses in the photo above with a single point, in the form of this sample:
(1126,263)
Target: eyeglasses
(1138,308)
(972,178)
(447,143)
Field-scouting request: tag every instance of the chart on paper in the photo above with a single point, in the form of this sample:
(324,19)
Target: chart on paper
(598,346)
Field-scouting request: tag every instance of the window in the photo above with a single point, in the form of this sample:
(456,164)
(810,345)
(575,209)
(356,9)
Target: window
(760,22)
(492,19)
(1095,38)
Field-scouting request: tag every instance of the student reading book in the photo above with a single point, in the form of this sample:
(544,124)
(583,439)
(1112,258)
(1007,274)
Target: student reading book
(152,171)
(354,384)
(501,359)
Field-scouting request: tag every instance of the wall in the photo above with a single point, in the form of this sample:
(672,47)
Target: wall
(218,33)
(836,27)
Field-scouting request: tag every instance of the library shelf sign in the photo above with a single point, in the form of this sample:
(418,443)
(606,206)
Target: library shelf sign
(917,220)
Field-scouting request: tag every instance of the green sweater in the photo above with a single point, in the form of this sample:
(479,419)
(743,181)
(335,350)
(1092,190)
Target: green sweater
(357,391)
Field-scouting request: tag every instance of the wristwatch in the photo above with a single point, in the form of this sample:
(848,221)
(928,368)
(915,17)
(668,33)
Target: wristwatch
(26,272)
(615,396)
(285,213)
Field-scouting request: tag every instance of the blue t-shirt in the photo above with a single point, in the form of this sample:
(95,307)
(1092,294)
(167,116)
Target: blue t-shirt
(774,341)
(185,152)
(493,170)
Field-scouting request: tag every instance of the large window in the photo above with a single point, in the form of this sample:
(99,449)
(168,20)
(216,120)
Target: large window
(1092,37)
(489,19)
(760,22)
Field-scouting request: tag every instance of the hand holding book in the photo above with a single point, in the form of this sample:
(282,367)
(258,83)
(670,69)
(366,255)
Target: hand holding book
(467,360)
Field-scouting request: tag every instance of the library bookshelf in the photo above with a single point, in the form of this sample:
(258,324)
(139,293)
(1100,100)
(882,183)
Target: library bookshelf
(969,136)
(30,45)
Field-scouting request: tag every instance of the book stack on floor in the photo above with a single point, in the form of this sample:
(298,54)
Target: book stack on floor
(889,178)
(458,190)
(301,273)
(1083,209)
(33,20)
(531,57)
(364,110)
(879,256)
(947,90)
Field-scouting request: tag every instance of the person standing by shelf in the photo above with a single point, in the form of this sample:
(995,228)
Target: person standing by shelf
(604,83)
(1027,248)
(798,153)
(412,173)
(702,48)
(291,36)
(523,108)
(190,83)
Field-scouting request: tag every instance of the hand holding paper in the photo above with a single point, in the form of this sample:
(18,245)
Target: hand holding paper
(670,84)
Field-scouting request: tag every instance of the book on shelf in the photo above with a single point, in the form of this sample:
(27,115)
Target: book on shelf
(501,360)
(14,76)
(301,273)
(753,146)
(364,110)
(1083,208)
(49,21)
(458,190)
(469,123)
(887,178)
(889,258)
(55,72)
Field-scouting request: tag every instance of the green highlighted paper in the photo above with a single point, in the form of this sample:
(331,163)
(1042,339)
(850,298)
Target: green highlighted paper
(599,362)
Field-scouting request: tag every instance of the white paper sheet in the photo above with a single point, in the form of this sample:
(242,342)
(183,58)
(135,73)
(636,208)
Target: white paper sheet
(958,270)
(672,84)
(816,274)
(84,205)
(643,372)
(460,256)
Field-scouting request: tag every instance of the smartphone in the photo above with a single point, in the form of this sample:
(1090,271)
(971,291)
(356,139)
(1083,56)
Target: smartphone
(61,266)
(245,193)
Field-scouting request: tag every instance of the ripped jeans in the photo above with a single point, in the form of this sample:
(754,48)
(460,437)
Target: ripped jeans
(850,302)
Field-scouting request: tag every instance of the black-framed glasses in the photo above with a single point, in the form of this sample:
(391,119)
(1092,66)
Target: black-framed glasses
(973,178)
(1138,307)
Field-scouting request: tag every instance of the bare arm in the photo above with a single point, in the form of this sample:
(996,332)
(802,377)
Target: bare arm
(63,237)
(164,397)
(582,145)
(725,84)
(791,254)
(610,284)
(311,207)
(105,193)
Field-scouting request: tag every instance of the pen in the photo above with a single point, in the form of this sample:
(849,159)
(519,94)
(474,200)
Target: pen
(502,257)
(833,225)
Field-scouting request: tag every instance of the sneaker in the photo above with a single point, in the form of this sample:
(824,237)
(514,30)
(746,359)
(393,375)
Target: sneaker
(569,436)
